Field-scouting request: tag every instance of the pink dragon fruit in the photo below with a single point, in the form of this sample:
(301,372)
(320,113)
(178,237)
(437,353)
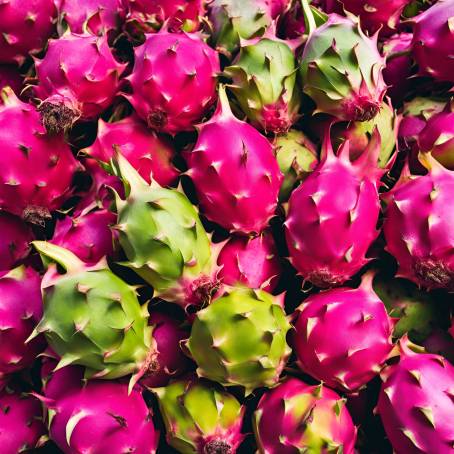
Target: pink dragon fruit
(191,65)
(169,361)
(338,205)
(78,78)
(21,425)
(148,153)
(20,311)
(10,77)
(356,356)
(149,15)
(253,262)
(14,241)
(418,226)
(399,64)
(433,41)
(101,416)
(416,404)
(377,15)
(37,170)
(235,172)
(88,235)
(297,417)
(438,137)
(98,17)
(26,26)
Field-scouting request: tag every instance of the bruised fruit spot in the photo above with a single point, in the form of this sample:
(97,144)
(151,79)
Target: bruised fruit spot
(217,447)
(36,215)
(202,290)
(434,274)
(324,279)
(361,109)
(56,118)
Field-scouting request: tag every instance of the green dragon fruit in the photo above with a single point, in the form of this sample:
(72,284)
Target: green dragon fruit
(264,83)
(93,318)
(297,156)
(240,339)
(200,418)
(341,70)
(233,20)
(164,240)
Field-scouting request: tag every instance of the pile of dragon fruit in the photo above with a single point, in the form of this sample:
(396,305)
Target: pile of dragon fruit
(227,226)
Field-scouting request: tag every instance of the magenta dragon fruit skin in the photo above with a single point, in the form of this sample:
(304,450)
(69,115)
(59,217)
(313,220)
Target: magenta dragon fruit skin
(253,262)
(179,14)
(375,15)
(295,417)
(10,77)
(37,170)
(191,65)
(78,78)
(25,27)
(94,16)
(14,241)
(433,41)
(332,215)
(419,225)
(170,361)
(20,311)
(416,403)
(88,235)
(148,153)
(438,138)
(21,425)
(360,352)
(235,172)
(101,417)
(398,68)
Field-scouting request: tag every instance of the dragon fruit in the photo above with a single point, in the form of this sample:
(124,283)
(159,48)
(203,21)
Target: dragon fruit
(200,417)
(87,235)
(14,241)
(253,262)
(359,134)
(20,311)
(356,356)
(149,153)
(341,70)
(69,88)
(20,422)
(341,197)
(98,17)
(377,15)
(416,113)
(10,77)
(399,65)
(101,416)
(441,343)
(235,172)
(418,226)
(37,170)
(169,361)
(25,28)
(93,318)
(264,83)
(179,15)
(416,312)
(297,417)
(240,339)
(234,20)
(416,405)
(164,240)
(297,156)
(438,137)
(433,41)
(191,65)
